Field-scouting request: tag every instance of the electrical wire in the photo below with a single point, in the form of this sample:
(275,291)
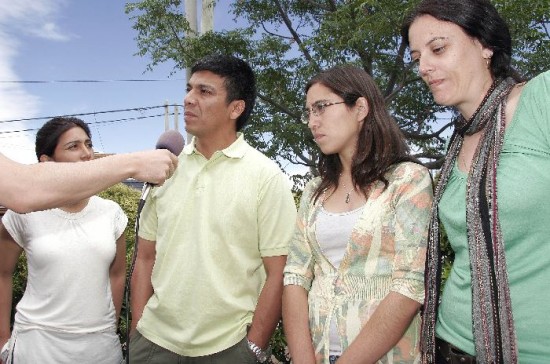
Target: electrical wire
(142,108)
(90,81)
(94,123)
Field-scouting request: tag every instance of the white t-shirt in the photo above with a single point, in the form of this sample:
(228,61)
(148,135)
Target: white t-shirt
(68,255)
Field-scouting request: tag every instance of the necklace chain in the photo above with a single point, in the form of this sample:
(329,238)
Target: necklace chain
(348,193)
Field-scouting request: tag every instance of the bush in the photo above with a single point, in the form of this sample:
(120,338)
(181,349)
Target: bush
(128,199)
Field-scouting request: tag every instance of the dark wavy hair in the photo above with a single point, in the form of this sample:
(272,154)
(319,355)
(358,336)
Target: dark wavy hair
(48,135)
(239,80)
(380,143)
(479,19)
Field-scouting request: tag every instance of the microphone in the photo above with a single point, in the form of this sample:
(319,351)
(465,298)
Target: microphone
(171,140)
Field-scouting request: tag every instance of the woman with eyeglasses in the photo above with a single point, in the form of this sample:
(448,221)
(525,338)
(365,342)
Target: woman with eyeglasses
(354,279)
(76,261)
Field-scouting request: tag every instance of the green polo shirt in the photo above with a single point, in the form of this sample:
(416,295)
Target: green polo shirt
(213,221)
(523,180)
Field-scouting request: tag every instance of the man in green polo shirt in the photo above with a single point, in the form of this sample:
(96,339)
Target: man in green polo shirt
(213,239)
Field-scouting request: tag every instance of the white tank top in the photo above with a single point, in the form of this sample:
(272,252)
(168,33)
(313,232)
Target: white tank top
(333,231)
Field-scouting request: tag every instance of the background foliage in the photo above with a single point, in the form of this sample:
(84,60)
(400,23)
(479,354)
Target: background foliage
(287,42)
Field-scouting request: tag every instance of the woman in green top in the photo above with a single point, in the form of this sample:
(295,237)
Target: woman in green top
(491,195)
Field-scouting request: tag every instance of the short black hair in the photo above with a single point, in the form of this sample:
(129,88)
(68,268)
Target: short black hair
(239,80)
(48,135)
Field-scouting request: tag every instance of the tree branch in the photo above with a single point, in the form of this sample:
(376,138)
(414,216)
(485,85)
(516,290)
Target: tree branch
(274,103)
(398,67)
(416,136)
(274,34)
(295,35)
(435,163)
(178,39)
(330,7)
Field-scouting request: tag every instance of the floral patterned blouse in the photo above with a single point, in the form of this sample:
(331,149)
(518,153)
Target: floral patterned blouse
(385,252)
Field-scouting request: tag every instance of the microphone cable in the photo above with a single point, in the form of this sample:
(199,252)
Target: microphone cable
(126,350)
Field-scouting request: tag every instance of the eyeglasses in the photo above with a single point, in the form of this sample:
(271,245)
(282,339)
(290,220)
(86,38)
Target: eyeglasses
(317,109)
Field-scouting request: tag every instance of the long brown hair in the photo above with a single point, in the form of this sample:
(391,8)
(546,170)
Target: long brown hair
(380,143)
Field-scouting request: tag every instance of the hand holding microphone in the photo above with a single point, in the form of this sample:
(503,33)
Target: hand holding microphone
(172,141)
(153,166)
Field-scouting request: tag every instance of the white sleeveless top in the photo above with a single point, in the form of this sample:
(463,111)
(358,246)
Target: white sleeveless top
(333,230)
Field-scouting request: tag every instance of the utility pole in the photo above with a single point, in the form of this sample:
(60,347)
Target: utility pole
(166,112)
(191,16)
(207,19)
(207,25)
(176,113)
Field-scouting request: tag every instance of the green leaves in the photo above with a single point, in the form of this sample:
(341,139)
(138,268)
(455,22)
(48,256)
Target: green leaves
(287,42)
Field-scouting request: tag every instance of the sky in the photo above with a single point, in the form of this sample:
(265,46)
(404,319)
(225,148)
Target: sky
(64,40)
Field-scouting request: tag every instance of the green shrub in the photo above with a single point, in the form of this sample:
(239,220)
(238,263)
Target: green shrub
(128,199)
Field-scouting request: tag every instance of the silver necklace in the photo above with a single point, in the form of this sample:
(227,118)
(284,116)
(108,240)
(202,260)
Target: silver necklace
(348,193)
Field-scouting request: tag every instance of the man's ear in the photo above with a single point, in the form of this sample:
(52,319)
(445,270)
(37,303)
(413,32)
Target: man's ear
(44,158)
(237,108)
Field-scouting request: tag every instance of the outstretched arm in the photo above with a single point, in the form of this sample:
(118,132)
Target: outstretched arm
(41,186)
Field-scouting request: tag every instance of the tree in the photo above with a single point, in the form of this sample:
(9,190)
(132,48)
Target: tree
(287,42)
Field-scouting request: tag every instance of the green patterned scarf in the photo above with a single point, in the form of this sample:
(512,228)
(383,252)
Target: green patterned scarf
(493,324)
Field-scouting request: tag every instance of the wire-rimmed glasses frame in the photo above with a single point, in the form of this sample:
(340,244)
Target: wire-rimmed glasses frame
(317,109)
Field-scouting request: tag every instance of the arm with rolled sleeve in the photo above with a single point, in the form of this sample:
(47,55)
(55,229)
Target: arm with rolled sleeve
(298,276)
(395,313)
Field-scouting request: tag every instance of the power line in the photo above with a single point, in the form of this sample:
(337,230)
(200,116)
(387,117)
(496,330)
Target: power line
(92,123)
(143,108)
(91,81)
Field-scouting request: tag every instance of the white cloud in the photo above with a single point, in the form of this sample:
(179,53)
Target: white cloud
(35,18)
(50,30)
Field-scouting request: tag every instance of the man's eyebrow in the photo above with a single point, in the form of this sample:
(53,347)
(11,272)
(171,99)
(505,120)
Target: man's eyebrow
(201,85)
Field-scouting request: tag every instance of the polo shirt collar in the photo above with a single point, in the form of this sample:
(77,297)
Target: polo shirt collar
(236,150)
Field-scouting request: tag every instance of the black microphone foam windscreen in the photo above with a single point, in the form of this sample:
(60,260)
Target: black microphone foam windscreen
(171,140)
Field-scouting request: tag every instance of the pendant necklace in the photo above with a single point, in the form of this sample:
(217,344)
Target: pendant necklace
(348,193)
